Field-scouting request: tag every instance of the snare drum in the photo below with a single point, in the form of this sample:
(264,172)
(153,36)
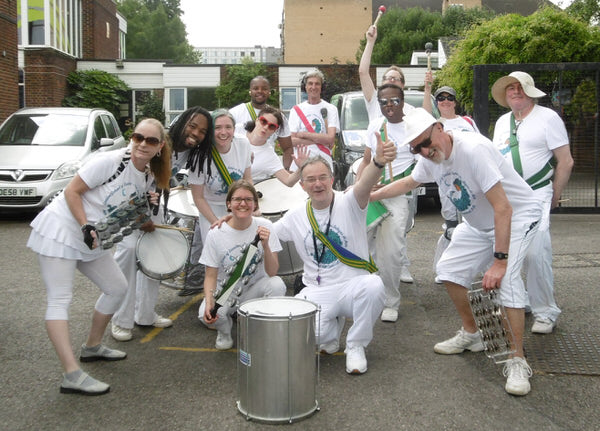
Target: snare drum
(161,254)
(278,360)
(274,200)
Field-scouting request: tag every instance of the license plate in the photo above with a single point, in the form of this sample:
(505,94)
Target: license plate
(17,192)
(420,191)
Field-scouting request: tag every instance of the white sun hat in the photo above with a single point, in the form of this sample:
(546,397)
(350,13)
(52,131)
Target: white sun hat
(526,81)
(416,122)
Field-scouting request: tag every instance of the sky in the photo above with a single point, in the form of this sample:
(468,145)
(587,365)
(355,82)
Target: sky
(239,23)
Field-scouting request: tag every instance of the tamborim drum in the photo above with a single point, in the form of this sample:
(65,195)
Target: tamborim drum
(161,254)
(274,200)
(278,360)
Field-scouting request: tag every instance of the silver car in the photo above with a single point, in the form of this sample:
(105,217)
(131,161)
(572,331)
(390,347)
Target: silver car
(41,149)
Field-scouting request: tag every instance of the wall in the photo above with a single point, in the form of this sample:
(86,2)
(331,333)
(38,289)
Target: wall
(46,73)
(9,69)
(97,15)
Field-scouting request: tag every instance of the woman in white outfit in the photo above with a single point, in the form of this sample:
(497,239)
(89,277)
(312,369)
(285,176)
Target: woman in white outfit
(66,239)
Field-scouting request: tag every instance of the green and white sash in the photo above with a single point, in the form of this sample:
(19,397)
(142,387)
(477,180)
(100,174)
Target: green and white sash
(221,167)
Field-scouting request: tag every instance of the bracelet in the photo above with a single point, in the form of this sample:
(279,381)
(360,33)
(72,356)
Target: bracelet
(378,165)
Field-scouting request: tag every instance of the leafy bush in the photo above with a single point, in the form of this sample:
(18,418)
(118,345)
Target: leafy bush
(96,89)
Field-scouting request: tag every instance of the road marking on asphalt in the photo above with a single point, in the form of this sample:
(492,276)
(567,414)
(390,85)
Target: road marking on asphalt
(195,349)
(154,332)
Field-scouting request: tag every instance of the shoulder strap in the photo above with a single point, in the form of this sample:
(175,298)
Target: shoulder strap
(124,162)
(343,255)
(251,111)
(221,167)
(304,119)
(469,120)
(514,146)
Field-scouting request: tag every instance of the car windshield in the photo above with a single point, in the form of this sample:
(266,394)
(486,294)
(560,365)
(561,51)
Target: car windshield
(45,129)
(355,114)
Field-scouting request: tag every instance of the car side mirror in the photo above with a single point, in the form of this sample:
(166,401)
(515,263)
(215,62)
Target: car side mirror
(106,142)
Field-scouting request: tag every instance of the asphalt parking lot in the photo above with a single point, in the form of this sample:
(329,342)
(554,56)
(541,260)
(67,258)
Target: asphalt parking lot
(174,379)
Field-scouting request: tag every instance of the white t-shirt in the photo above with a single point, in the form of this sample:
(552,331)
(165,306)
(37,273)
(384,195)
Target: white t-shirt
(315,119)
(396,132)
(265,162)
(348,228)
(374,110)
(459,123)
(225,245)
(242,116)
(237,160)
(539,133)
(56,233)
(473,168)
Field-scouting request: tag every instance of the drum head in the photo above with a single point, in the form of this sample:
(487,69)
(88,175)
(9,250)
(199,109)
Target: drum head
(162,254)
(277,307)
(181,202)
(276,198)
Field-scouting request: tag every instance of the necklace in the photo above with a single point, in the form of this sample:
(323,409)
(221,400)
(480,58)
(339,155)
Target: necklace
(319,256)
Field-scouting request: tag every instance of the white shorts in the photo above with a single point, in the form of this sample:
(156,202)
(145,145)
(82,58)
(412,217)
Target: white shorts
(471,252)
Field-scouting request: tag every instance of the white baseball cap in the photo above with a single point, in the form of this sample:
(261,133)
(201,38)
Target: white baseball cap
(416,122)
(526,81)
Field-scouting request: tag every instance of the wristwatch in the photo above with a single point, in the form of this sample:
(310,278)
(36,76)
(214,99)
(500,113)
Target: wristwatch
(501,256)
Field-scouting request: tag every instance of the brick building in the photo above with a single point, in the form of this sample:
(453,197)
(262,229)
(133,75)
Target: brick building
(9,71)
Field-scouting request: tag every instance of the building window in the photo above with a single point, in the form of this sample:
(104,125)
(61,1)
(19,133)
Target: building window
(177,103)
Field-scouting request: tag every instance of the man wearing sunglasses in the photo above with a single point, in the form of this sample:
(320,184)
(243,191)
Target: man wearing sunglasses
(529,137)
(260,90)
(501,217)
(387,242)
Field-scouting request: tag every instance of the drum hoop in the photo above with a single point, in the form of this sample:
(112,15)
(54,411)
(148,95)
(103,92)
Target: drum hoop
(155,275)
(259,316)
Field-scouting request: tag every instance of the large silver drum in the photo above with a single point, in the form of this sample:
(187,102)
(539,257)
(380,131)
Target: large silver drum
(278,359)
(274,200)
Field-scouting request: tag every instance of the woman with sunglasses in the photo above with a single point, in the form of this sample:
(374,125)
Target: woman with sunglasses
(65,237)
(265,162)
(227,160)
(224,248)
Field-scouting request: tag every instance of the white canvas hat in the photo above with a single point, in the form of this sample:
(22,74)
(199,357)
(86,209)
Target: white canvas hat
(526,81)
(416,122)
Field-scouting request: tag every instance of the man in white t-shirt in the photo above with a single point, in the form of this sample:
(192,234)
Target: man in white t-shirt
(342,284)
(529,137)
(389,245)
(314,122)
(500,217)
(260,90)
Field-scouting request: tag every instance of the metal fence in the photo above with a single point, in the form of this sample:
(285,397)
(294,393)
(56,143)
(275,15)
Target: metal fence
(573,91)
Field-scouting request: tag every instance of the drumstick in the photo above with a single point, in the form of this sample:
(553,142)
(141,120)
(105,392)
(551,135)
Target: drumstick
(168,226)
(178,188)
(381,12)
(389,163)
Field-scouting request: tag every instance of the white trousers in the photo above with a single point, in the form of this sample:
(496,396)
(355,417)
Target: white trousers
(58,275)
(142,291)
(389,251)
(263,287)
(538,271)
(360,299)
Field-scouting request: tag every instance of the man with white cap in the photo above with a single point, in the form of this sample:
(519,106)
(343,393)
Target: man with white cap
(529,137)
(500,215)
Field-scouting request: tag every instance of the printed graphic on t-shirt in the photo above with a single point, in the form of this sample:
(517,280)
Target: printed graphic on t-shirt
(458,192)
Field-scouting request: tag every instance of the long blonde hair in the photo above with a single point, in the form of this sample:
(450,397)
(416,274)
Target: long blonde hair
(160,165)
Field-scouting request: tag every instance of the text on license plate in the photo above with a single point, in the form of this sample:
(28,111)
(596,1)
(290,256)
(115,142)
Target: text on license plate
(18,192)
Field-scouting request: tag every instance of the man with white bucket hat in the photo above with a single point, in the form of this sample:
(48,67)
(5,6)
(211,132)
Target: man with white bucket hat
(529,137)
(500,216)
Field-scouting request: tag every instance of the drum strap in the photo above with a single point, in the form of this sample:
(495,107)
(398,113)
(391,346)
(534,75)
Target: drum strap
(343,255)
(308,126)
(251,111)
(541,178)
(221,167)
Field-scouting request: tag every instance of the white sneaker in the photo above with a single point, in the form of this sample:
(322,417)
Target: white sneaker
(543,325)
(224,341)
(459,343)
(162,322)
(405,276)
(438,280)
(330,348)
(356,362)
(389,315)
(120,334)
(517,373)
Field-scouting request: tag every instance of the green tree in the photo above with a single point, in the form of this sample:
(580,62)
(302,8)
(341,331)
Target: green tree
(547,36)
(586,10)
(155,31)
(96,89)
(234,85)
(152,107)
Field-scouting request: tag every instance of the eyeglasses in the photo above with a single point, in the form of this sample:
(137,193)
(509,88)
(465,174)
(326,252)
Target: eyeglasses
(392,79)
(264,122)
(449,97)
(238,200)
(138,138)
(312,180)
(424,144)
(395,101)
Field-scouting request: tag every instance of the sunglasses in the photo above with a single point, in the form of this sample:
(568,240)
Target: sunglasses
(449,98)
(393,79)
(138,138)
(396,101)
(264,122)
(424,144)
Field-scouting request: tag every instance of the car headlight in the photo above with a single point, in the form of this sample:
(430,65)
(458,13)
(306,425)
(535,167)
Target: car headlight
(66,170)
